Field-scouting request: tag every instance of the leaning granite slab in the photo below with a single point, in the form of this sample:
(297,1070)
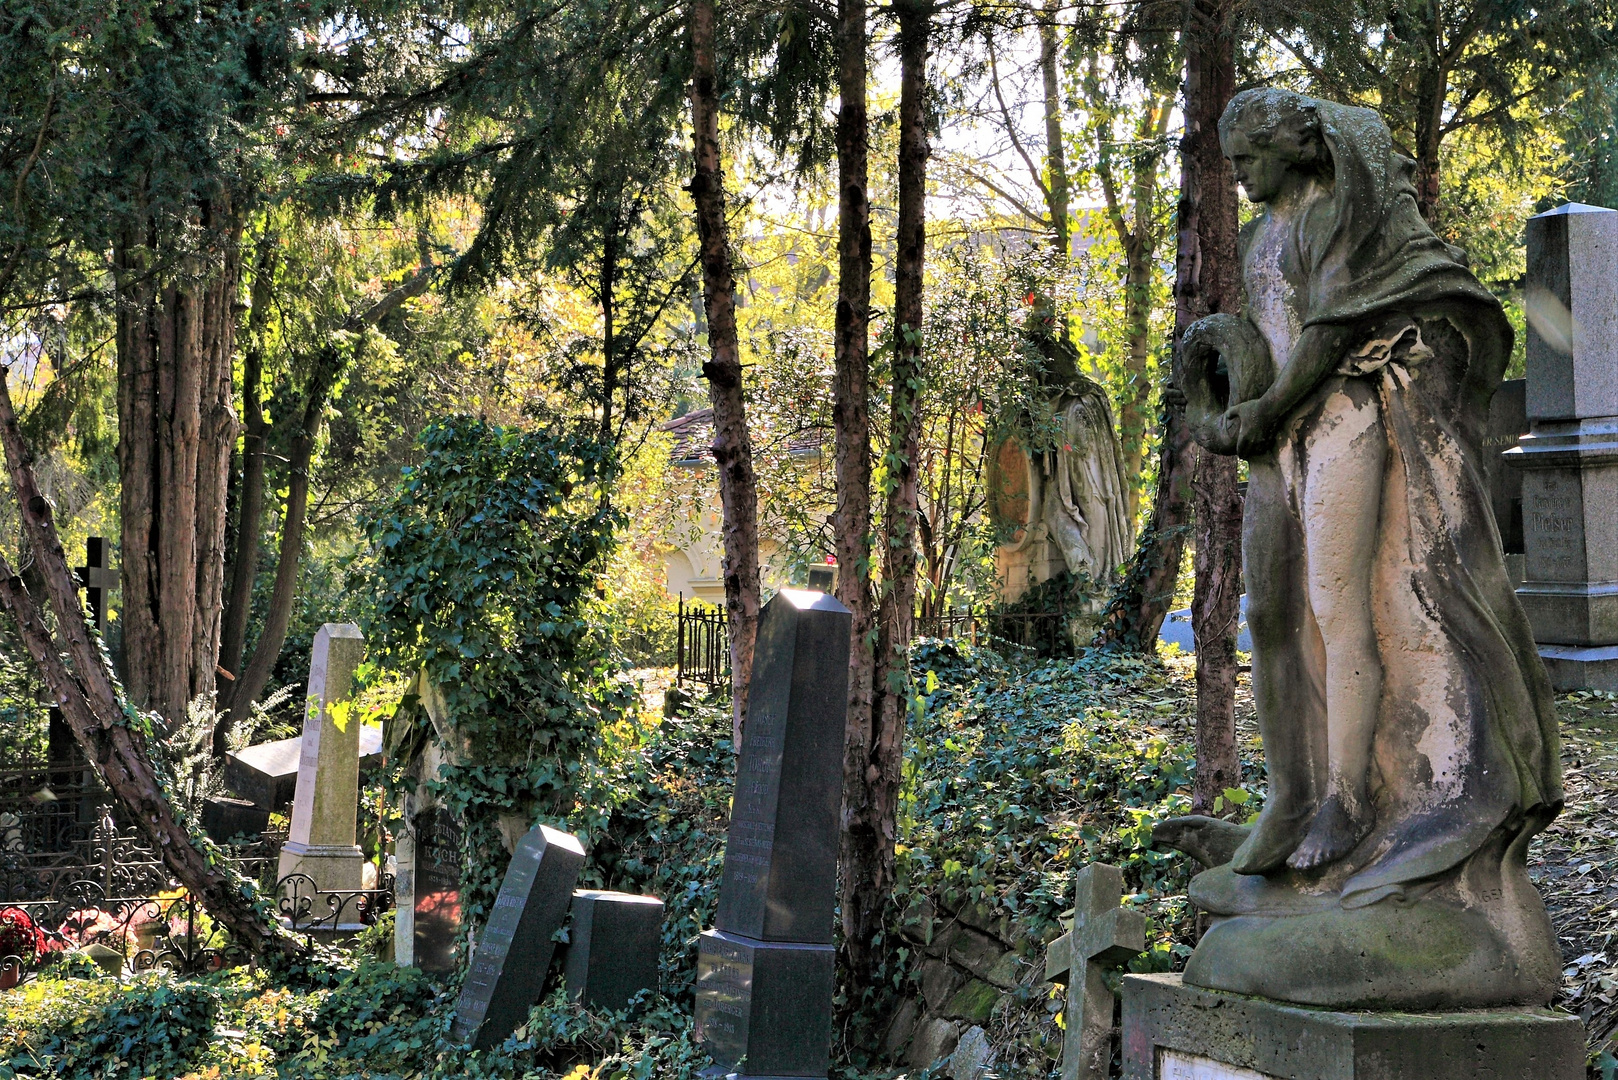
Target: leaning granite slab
(1177,1032)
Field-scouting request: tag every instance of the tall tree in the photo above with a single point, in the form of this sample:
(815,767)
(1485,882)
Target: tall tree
(872,821)
(1433,69)
(1208,280)
(852,433)
(732,448)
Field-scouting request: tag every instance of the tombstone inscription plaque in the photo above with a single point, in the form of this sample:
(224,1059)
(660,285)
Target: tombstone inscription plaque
(765,972)
(516,945)
(436,889)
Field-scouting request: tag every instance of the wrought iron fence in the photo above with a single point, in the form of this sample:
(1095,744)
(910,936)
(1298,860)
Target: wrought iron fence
(1043,632)
(74,877)
(702,648)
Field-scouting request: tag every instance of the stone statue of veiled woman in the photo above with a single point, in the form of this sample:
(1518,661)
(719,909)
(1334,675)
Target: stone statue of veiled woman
(1407,721)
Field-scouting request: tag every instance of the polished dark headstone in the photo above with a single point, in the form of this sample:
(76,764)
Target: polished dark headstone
(439,860)
(613,947)
(780,873)
(764,975)
(266,774)
(223,819)
(515,947)
(768,1002)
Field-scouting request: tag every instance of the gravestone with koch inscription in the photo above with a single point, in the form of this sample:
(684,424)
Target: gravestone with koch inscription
(1569,458)
(613,946)
(765,971)
(515,947)
(431,860)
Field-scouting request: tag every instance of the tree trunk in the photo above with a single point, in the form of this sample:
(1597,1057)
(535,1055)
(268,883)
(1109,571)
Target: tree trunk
(94,706)
(176,430)
(243,567)
(1055,152)
(1210,281)
(249,684)
(873,821)
(852,422)
(732,447)
(328,367)
(1431,90)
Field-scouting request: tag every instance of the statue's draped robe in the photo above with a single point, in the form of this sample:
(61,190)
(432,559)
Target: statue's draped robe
(1086,500)
(1466,741)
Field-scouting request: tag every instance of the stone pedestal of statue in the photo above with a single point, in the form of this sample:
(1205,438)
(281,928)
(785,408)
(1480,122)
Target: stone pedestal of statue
(1179,1032)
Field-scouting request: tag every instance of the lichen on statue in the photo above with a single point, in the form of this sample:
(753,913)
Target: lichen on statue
(1407,721)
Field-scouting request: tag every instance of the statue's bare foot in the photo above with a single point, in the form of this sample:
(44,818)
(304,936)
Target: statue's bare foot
(1276,834)
(1334,833)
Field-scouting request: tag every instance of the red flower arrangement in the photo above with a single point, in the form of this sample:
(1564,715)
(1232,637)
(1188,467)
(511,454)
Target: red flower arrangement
(19,936)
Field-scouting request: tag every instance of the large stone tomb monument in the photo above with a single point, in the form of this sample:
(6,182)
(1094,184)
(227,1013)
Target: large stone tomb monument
(1569,458)
(1409,736)
(613,946)
(515,947)
(765,972)
(325,806)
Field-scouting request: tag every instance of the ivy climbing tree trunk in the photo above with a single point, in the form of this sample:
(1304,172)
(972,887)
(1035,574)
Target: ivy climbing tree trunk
(176,429)
(732,446)
(1210,281)
(243,566)
(872,820)
(105,726)
(851,419)
(1055,152)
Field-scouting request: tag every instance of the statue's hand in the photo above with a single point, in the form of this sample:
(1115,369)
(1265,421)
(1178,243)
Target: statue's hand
(1256,423)
(1219,436)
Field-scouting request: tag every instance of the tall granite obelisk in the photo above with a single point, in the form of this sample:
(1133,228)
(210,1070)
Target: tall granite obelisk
(765,972)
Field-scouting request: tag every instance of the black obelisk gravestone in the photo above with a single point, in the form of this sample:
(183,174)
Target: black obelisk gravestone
(515,948)
(764,973)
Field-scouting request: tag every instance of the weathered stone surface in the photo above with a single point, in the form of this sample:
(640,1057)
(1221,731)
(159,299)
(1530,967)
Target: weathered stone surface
(973,1056)
(1276,1040)
(935,1039)
(325,805)
(976,951)
(1409,734)
(224,818)
(973,1002)
(1007,971)
(901,1027)
(939,981)
(1508,422)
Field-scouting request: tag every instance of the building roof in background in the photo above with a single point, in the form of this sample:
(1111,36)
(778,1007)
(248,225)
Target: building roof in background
(693,439)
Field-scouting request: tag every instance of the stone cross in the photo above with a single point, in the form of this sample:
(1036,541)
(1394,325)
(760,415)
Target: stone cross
(765,971)
(97,578)
(1103,935)
(325,804)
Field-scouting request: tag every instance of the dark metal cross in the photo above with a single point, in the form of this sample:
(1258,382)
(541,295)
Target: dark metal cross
(1103,935)
(97,578)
